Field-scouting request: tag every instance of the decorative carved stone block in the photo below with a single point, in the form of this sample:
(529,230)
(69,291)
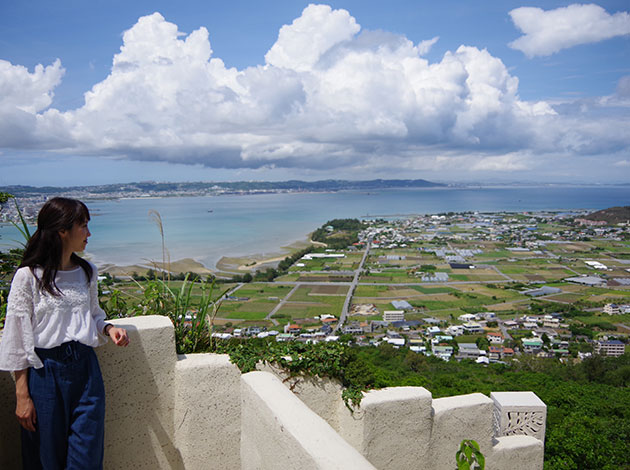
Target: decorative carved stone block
(519,413)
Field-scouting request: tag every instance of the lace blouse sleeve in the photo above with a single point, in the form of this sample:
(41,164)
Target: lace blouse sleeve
(97,312)
(17,347)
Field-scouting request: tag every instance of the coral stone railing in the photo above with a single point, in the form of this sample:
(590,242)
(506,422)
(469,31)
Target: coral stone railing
(197,411)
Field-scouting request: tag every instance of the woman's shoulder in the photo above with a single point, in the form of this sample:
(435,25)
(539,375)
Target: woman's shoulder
(24,273)
(23,276)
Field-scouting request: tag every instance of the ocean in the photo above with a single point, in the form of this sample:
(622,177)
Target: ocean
(208,228)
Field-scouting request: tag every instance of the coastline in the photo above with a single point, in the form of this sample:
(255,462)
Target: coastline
(227,266)
(230,265)
(179,266)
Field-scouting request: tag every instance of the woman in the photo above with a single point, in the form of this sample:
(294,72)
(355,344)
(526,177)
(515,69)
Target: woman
(53,321)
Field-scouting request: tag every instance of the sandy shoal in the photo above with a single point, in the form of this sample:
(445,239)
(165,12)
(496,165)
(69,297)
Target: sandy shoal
(243,264)
(227,265)
(180,266)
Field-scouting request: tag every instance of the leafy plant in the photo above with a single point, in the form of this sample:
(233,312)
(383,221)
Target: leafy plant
(193,321)
(469,456)
(22,226)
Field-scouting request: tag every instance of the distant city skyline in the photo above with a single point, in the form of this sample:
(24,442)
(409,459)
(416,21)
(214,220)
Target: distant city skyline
(475,91)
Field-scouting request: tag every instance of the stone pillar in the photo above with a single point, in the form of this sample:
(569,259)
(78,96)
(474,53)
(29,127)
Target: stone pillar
(208,412)
(455,419)
(392,427)
(519,413)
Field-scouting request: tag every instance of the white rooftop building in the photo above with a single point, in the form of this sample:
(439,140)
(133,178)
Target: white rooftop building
(393,315)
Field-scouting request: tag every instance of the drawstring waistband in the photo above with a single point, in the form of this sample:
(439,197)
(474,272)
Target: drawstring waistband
(65,352)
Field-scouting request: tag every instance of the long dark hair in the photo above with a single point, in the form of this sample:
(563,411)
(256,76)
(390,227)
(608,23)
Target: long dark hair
(44,248)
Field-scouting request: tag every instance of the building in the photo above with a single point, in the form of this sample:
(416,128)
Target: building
(434,330)
(613,348)
(494,338)
(473,328)
(292,328)
(310,256)
(396,342)
(587,280)
(461,266)
(435,277)
(455,330)
(443,351)
(551,322)
(612,309)
(532,344)
(393,315)
(402,305)
(507,352)
(284,337)
(406,324)
(596,265)
(468,351)
(353,328)
(545,290)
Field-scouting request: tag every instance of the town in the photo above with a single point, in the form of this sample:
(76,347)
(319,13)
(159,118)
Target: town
(485,287)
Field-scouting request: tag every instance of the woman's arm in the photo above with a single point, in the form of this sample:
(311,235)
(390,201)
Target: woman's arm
(25,409)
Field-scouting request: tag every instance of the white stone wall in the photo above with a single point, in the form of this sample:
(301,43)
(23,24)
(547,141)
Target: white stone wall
(198,412)
(279,432)
(162,411)
(405,428)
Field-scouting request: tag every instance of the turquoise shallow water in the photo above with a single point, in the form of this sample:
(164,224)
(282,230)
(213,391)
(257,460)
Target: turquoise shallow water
(207,228)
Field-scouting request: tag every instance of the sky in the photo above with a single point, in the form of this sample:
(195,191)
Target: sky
(453,91)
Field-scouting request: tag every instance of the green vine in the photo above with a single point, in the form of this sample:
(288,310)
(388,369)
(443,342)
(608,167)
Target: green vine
(326,359)
(469,456)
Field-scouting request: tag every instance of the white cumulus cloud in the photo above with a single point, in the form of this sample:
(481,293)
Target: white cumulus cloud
(22,96)
(303,42)
(330,95)
(547,32)
(29,92)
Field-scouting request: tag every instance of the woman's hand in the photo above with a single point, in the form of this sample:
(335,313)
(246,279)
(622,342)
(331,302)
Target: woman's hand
(25,412)
(24,409)
(118,335)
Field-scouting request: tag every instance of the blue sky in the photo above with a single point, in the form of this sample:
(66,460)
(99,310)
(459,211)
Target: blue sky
(480,91)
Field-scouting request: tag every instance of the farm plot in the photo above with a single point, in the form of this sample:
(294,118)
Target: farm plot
(248,310)
(325,305)
(453,301)
(565,298)
(262,291)
(493,293)
(317,293)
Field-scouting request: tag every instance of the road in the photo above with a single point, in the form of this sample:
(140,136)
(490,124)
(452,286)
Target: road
(280,304)
(353,285)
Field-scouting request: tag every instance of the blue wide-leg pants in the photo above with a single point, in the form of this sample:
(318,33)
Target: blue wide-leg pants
(69,399)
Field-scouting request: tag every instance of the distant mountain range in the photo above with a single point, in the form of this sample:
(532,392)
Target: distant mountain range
(214,187)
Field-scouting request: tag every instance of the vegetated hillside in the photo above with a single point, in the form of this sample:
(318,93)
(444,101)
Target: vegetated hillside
(612,215)
(338,233)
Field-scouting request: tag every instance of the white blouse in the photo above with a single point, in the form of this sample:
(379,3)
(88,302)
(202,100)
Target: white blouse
(36,319)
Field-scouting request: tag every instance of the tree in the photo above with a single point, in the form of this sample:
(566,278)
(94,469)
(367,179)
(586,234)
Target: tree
(483,343)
